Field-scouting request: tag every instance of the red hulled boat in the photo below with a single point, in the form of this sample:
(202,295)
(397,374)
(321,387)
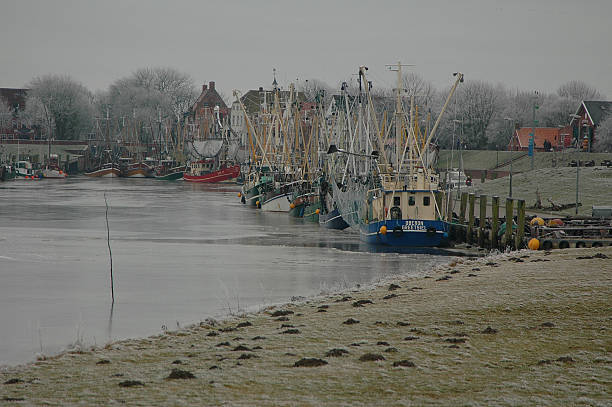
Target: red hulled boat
(203,171)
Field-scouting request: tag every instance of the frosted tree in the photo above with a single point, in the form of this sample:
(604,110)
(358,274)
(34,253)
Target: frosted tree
(578,91)
(147,96)
(603,137)
(315,90)
(59,104)
(415,86)
(6,116)
(478,103)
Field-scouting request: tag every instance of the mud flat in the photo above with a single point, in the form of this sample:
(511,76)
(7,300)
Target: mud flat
(526,328)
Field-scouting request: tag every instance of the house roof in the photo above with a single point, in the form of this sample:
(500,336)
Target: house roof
(542,134)
(254,98)
(210,98)
(597,110)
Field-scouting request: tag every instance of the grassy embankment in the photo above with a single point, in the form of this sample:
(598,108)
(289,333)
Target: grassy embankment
(555,183)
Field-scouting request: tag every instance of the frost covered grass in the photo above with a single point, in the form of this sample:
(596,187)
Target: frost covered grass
(521,328)
(558,184)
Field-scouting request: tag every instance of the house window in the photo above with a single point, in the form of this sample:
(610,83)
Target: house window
(396,201)
(411,201)
(426,200)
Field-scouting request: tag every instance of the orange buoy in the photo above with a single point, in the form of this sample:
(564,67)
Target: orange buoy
(534,244)
(383,230)
(318,211)
(292,205)
(239,195)
(257,203)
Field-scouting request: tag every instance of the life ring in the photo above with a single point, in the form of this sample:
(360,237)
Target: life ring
(547,245)
(580,244)
(564,244)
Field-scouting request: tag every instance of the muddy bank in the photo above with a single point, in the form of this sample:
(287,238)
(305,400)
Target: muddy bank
(529,328)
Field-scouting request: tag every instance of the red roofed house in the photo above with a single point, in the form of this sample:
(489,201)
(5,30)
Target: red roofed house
(587,118)
(559,138)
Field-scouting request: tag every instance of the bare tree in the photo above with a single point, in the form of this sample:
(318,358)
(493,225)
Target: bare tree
(61,104)
(6,115)
(176,92)
(415,86)
(315,90)
(478,103)
(603,138)
(579,91)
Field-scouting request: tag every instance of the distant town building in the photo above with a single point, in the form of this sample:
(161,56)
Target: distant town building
(256,102)
(202,113)
(587,118)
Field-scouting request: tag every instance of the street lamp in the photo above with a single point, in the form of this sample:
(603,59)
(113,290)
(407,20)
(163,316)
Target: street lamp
(510,120)
(575,116)
(535,107)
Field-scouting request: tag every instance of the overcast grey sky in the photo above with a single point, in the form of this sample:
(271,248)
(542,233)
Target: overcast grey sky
(524,44)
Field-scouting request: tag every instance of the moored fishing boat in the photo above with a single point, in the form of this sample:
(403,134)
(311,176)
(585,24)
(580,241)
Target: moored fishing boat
(407,208)
(399,205)
(7,173)
(108,170)
(411,215)
(24,169)
(169,171)
(52,169)
(205,171)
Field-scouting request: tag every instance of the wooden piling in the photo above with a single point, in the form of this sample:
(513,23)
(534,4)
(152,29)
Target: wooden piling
(520,223)
(509,215)
(464,196)
(482,220)
(495,221)
(470,228)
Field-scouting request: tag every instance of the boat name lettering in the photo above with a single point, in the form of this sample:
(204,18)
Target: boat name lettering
(414,225)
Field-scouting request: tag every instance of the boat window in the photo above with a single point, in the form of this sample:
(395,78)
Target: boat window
(396,201)
(411,201)
(426,200)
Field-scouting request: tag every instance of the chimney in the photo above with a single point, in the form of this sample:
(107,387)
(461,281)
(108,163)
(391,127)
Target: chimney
(211,85)
(204,87)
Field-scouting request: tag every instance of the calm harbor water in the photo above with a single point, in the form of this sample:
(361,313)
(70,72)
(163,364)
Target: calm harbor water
(181,253)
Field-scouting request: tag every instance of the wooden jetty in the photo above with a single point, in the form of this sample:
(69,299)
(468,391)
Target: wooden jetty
(488,230)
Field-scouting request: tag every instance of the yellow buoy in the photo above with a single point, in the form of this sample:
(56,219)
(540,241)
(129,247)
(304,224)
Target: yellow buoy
(257,203)
(318,211)
(239,195)
(292,205)
(383,230)
(537,220)
(534,244)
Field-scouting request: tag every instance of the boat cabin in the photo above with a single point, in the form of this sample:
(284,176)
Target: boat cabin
(416,197)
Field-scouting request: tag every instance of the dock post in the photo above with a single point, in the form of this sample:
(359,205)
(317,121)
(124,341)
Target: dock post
(461,227)
(470,228)
(483,220)
(520,223)
(495,226)
(509,221)
(464,196)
